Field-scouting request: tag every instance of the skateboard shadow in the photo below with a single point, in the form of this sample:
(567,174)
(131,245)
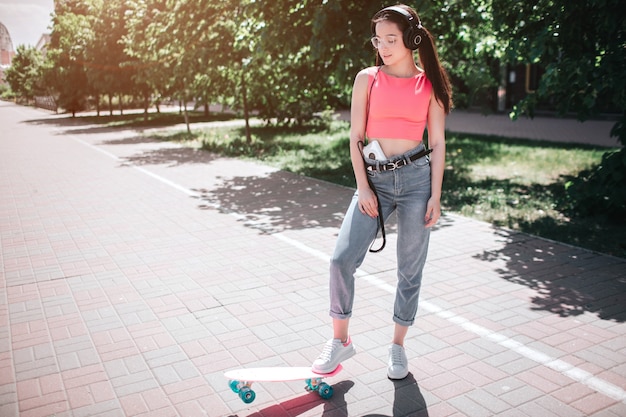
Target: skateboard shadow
(336,406)
(408,401)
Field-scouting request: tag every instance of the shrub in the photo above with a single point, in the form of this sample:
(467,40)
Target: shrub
(600,191)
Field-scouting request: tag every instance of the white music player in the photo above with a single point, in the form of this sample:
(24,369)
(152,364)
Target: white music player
(374,151)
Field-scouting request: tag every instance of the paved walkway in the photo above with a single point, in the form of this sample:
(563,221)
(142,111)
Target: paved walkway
(592,132)
(135,272)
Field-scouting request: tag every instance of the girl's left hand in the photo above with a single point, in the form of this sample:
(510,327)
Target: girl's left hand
(433,212)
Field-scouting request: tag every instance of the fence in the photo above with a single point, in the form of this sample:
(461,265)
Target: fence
(46,102)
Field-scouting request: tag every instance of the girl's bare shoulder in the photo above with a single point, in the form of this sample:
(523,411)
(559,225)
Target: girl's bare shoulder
(370,71)
(363,75)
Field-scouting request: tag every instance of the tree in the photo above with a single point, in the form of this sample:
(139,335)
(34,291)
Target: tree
(24,74)
(177,43)
(106,60)
(64,69)
(468,47)
(582,46)
(307,56)
(329,42)
(149,67)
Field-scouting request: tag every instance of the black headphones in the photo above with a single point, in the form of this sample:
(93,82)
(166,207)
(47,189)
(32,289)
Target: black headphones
(410,36)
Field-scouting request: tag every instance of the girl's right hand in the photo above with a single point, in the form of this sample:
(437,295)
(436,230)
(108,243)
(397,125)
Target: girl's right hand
(368,204)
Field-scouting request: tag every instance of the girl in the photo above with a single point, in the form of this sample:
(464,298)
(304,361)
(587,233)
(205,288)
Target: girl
(392,103)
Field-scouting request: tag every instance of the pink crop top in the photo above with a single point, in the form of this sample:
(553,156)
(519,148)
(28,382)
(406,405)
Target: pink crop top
(398,107)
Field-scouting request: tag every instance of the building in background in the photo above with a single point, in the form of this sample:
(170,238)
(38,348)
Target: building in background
(42,45)
(6,51)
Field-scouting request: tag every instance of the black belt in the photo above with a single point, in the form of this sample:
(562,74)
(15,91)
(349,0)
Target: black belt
(391,166)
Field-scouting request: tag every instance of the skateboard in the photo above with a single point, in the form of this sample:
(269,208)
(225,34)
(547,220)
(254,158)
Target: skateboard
(241,380)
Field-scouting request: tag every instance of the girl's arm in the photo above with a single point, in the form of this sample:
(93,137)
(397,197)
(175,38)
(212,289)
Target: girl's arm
(367,199)
(437,142)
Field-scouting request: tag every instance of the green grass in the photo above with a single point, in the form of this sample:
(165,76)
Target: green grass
(310,151)
(518,184)
(521,185)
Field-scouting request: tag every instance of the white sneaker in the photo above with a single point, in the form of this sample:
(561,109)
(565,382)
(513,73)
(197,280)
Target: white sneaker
(398,365)
(333,354)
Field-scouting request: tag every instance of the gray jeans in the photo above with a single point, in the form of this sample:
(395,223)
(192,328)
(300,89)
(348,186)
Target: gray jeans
(405,190)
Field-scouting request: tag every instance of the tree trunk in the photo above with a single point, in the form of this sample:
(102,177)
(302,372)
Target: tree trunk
(146,104)
(186,116)
(246,113)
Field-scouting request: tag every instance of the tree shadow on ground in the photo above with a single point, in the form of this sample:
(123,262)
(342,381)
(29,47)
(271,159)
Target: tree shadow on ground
(133,118)
(166,155)
(131,140)
(279,201)
(105,123)
(518,207)
(282,201)
(82,125)
(569,281)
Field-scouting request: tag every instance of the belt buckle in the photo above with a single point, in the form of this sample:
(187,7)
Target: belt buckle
(392,166)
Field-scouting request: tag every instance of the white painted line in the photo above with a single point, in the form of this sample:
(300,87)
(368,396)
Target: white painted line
(567,369)
(95,148)
(166,181)
(140,169)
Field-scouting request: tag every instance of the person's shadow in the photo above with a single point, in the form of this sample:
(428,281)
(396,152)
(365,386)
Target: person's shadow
(408,399)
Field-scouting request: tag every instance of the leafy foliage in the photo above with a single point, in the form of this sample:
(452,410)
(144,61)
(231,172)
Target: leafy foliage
(65,70)
(295,58)
(582,46)
(470,49)
(600,191)
(108,72)
(24,75)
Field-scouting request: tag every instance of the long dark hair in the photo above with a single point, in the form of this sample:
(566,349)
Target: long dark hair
(427,52)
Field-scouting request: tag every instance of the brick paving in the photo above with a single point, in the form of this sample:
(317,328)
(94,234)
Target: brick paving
(135,272)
